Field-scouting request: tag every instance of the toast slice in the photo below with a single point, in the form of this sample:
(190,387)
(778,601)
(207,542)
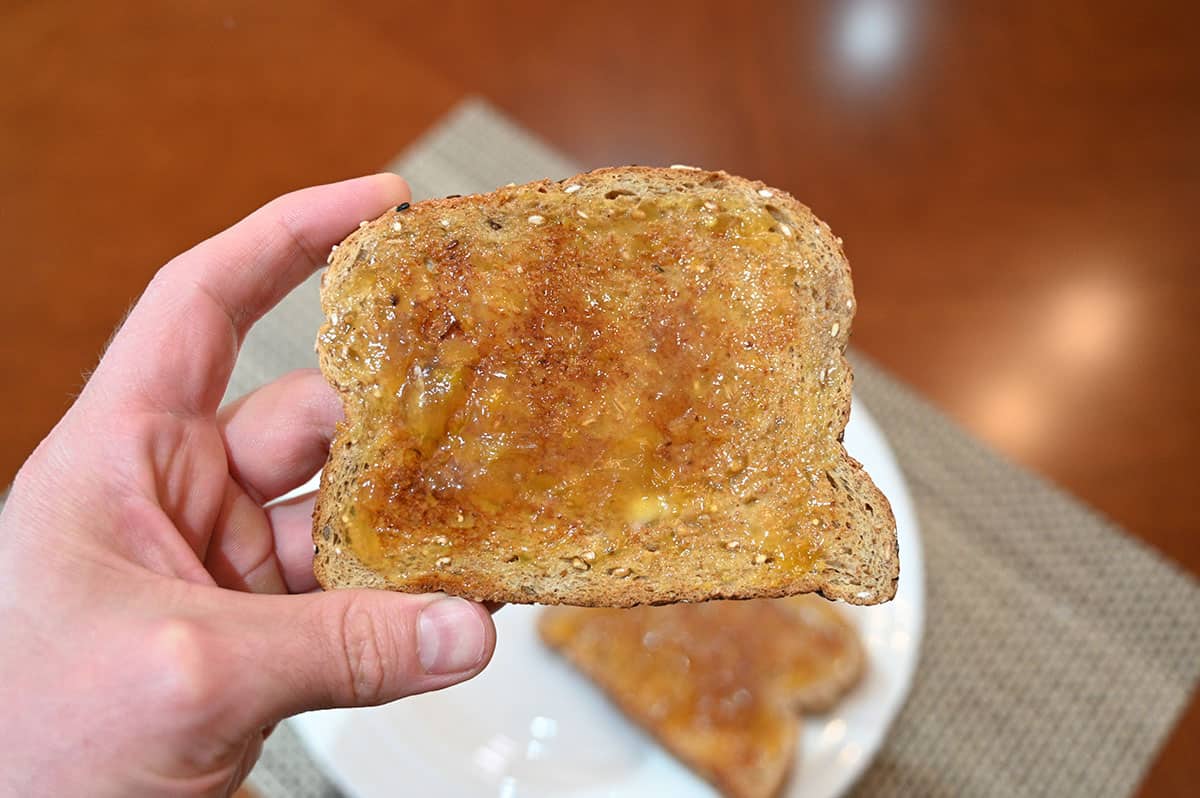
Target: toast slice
(719,684)
(623,388)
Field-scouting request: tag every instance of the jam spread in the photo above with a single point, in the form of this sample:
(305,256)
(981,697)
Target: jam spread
(595,380)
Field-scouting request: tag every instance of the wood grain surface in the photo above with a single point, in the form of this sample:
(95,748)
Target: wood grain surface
(1018,184)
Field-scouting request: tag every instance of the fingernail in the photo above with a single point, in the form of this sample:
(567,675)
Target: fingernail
(450,636)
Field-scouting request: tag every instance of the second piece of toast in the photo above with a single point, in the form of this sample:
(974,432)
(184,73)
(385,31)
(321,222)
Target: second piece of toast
(719,684)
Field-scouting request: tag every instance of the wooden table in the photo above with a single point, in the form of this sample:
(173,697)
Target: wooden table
(1018,184)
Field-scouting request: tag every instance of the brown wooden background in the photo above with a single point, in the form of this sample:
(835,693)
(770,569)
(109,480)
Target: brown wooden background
(1018,183)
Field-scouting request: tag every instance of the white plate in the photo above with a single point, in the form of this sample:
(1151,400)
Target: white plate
(529,726)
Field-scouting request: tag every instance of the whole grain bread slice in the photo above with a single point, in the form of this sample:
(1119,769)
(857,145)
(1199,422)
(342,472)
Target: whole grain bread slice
(627,387)
(719,684)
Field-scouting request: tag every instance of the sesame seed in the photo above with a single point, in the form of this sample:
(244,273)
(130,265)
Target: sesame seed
(732,545)
(316,549)
(836,326)
(759,559)
(397,226)
(710,205)
(536,219)
(787,231)
(762,192)
(817,230)
(685,166)
(582,215)
(579,565)
(589,555)
(638,213)
(620,572)
(333,317)
(402,207)
(444,222)
(363,223)
(441,540)
(839,240)
(509,185)
(849,304)
(520,269)
(442,562)
(571,189)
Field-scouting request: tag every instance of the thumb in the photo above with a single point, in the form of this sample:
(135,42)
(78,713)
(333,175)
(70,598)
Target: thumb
(351,648)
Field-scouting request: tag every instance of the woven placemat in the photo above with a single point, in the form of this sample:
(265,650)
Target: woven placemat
(1058,651)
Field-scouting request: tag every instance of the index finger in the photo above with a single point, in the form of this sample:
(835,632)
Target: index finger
(176,350)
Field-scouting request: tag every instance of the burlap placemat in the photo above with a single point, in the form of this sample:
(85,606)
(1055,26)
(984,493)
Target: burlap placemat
(1058,651)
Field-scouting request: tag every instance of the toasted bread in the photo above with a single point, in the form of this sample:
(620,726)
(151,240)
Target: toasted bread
(623,388)
(718,683)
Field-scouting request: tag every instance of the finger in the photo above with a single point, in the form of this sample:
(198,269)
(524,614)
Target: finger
(348,648)
(176,350)
(277,437)
(291,525)
(241,551)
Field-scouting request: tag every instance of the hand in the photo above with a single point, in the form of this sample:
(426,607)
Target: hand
(147,645)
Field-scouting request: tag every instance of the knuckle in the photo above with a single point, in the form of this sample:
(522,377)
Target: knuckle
(182,668)
(364,645)
(293,231)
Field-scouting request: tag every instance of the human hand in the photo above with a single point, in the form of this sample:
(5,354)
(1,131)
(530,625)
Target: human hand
(147,645)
